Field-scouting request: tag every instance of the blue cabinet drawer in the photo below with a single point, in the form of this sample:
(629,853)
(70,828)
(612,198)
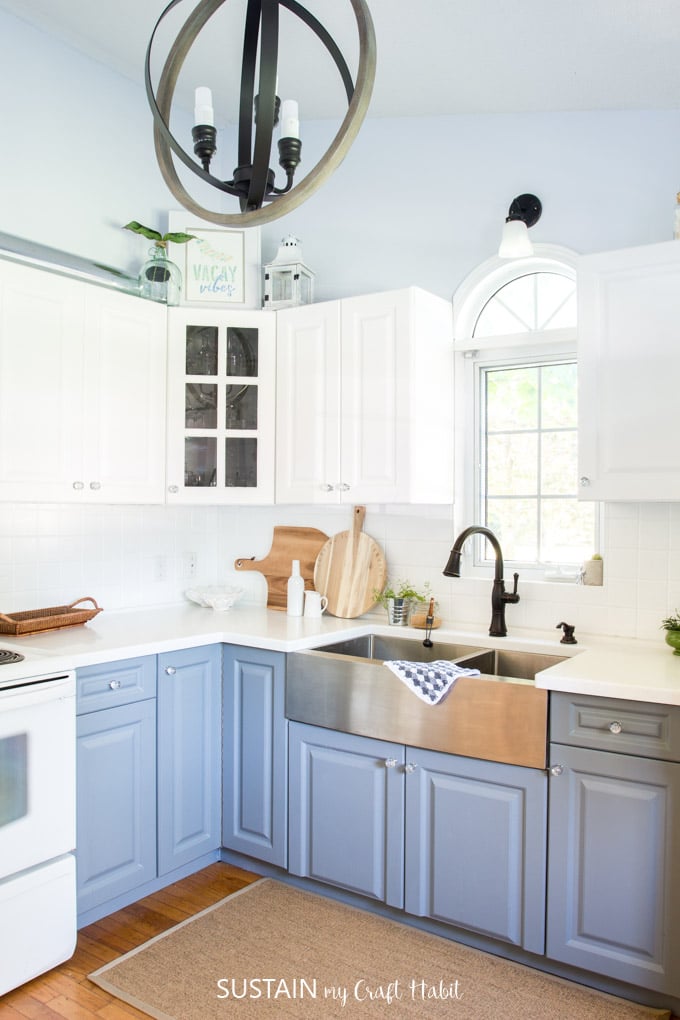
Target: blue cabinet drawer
(614,724)
(115,683)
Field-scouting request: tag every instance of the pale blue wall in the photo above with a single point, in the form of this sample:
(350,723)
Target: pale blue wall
(415,202)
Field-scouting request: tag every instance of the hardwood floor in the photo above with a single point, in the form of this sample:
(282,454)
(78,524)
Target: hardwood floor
(66,991)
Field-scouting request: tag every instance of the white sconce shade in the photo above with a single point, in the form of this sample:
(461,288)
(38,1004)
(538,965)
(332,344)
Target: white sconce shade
(515,243)
(524,211)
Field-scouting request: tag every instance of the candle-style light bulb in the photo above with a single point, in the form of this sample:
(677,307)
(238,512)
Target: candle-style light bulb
(290,124)
(203,108)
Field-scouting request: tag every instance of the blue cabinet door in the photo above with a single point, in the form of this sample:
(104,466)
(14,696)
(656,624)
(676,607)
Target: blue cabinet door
(347,811)
(116,809)
(189,755)
(476,844)
(255,754)
(614,886)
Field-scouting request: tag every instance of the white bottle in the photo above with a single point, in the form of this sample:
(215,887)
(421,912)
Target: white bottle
(296,591)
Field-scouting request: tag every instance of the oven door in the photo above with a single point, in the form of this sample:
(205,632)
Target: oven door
(37,772)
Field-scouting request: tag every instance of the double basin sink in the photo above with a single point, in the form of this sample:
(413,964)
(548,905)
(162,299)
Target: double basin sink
(498,715)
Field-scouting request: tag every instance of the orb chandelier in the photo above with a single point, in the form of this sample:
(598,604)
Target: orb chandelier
(253,183)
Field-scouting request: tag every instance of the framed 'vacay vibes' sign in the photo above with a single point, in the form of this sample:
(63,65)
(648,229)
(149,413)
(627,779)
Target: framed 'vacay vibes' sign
(219,266)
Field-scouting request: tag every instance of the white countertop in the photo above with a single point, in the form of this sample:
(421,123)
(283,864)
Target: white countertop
(606,667)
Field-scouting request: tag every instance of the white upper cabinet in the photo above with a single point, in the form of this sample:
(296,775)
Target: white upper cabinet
(365,400)
(221,393)
(629,360)
(82,391)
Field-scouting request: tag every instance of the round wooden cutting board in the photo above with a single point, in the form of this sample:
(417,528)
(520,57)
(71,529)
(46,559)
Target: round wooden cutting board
(349,568)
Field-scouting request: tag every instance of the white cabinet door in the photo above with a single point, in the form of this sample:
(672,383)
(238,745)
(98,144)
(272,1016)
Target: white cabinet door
(221,406)
(365,401)
(82,391)
(124,398)
(308,404)
(629,357)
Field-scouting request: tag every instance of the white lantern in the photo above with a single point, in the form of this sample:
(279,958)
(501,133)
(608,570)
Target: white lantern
(287,280)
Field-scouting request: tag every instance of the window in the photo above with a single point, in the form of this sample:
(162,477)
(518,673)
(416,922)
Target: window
(520,396)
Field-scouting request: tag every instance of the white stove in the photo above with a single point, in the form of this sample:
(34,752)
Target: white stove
(37,817)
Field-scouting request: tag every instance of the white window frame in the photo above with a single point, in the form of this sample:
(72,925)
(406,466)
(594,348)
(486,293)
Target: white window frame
(475,353)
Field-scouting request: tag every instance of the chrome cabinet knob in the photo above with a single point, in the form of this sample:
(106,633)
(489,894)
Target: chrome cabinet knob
(95,485)
(557,770)
(78,486)
(584,481)
(170,670)
(390,763)
(615,727)
(410,766)
(114,685)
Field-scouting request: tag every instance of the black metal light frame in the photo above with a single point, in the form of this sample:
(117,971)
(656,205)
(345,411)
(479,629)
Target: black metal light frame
(253,181)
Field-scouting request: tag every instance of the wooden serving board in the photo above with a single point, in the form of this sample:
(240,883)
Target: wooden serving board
(288,544)
(349,568)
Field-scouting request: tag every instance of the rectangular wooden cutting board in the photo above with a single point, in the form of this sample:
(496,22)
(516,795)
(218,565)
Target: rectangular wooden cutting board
(288,544)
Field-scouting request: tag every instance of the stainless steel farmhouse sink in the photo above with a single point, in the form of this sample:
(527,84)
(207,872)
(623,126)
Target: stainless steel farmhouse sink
(499,715)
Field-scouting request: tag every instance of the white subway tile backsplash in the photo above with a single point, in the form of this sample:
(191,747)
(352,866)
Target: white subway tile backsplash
(133,556)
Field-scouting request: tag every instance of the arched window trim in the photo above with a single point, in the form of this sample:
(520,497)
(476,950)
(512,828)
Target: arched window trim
(487,279)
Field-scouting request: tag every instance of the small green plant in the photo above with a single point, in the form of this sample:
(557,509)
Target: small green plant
(401,590)
(160,240)
(671,622)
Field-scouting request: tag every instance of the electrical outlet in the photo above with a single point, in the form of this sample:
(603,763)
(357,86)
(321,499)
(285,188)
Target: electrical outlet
(160,568)
(190,565)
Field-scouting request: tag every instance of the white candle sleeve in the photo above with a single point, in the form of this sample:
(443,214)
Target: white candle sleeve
(290,125)
(203,108)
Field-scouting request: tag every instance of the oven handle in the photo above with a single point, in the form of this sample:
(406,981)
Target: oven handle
(36,690)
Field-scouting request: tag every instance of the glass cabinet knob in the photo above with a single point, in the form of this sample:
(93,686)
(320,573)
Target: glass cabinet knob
(170,670)
(95,485)
(410,766)
(173,489)
(615,727)
(584,481)
(114,685)
(78,486)
(342,487)
(327,487)
(390,763)
(556,770)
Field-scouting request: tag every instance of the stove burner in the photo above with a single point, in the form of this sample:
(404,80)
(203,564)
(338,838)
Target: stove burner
(7,657)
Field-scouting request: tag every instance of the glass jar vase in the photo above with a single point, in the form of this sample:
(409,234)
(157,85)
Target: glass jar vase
(160,279)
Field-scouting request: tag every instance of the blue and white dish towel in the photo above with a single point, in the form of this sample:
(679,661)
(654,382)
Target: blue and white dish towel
(430,681)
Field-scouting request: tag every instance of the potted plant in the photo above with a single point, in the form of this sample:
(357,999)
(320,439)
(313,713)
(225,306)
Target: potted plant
(672,627)
(398,597)
(159,278)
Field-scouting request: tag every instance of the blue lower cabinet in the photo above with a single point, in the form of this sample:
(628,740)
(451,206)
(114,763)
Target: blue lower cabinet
(189,755)
(476,845)
(255,754)
(347,812)
(454,839)
(614,884)
(116,801)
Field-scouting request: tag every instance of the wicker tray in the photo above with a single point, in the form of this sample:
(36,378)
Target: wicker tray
(33,621)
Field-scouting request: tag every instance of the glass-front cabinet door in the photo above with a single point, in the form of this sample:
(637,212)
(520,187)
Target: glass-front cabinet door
(221,406)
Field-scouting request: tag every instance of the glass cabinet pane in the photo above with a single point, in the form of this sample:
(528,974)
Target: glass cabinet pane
(200,461)
(242,351)
(200,406)
(201,350)
(241,407)
(241,463)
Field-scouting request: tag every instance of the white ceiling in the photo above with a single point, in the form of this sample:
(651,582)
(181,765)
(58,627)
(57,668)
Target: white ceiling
(434,56)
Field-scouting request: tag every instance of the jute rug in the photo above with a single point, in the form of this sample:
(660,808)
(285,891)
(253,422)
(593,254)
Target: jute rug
(270,950)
